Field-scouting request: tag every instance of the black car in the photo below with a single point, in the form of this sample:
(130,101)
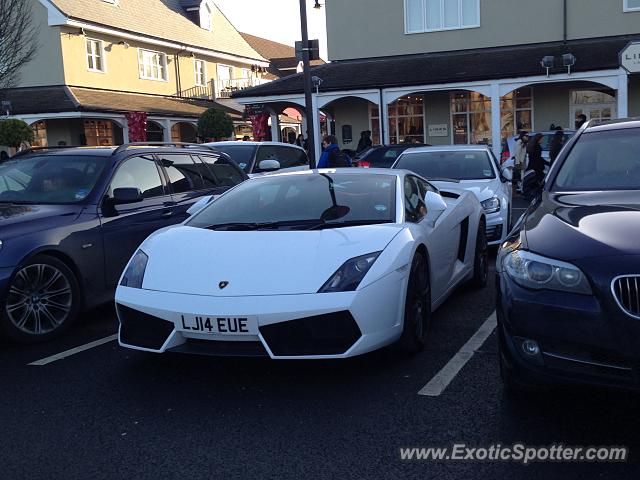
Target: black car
(382,156)
(71,218)
(568,303)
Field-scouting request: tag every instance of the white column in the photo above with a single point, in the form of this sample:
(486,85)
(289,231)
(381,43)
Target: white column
(166,129)
(496,138)
(623,95)
(316,126)
(275,127)
(384,119)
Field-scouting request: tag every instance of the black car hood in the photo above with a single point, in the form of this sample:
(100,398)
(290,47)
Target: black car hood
(21,219)
(569,226)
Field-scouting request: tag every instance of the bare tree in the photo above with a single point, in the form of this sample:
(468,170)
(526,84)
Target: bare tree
(18,40)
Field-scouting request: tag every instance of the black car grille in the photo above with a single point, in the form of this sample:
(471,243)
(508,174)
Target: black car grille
(328,334)
(626,290)
(142,330)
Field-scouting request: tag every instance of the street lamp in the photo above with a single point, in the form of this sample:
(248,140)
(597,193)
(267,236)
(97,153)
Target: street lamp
(308,102)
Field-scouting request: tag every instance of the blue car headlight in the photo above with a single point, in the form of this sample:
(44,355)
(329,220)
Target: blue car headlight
(350,274)
(540,273)
(491,205)
(134,274)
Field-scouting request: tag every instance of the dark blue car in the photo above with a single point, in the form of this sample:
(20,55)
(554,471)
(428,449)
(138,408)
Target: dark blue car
(568,304)
(71,218)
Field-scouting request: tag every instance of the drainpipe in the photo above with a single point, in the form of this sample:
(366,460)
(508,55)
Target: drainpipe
(381,119)
(564,16)
(176,59)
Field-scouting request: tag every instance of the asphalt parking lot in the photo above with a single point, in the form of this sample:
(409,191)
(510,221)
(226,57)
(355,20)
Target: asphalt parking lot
(106,412)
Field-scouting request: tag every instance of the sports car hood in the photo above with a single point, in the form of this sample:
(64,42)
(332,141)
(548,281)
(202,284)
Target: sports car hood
(194,260)
(571,226)
(482,189)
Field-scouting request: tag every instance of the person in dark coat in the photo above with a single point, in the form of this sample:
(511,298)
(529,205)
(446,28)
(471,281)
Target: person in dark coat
(534,151)
(365,141)
(556,145)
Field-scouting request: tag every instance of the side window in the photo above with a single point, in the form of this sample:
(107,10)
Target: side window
(184,175)
(414,206)
(222,173)
(139,172)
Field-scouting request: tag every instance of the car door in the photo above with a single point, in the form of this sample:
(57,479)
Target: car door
(124,227)
(184,175)
(443,237)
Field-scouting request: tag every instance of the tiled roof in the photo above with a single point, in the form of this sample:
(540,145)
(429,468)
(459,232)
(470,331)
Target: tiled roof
(452,67)
(281,56)
(162,19)
(36,100)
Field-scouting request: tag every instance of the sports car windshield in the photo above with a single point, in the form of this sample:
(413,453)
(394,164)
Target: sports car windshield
(605,160)
(49,179)
(303,201)
(461,165)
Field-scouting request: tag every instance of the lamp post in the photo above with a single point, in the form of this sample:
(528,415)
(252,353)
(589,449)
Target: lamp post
(308,101)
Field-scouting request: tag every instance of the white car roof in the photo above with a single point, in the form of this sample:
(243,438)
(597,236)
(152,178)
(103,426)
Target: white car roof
(356,171)
(243,143)
(447,148)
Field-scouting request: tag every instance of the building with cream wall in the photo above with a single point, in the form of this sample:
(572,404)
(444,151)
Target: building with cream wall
(467,71)
(98,60)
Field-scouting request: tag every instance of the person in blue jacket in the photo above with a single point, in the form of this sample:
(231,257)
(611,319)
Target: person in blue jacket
(331,156)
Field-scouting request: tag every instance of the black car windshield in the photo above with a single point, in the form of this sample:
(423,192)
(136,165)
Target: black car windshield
(241,154)
(602,160)
(456,165)
(310,199)
(49,178)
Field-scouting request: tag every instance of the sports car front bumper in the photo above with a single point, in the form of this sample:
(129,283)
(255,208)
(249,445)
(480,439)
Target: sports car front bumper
(309,326)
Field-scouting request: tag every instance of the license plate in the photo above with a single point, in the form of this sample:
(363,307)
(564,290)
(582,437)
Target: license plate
(219,325)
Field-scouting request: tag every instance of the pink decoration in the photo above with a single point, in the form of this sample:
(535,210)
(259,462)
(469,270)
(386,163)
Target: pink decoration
(137,123)
(260,124)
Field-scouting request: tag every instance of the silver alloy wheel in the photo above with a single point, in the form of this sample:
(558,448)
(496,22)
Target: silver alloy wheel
(40,299)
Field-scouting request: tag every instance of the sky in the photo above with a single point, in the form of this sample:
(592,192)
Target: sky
(277,20)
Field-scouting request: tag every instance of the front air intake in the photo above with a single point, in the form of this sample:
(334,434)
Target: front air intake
(626,291)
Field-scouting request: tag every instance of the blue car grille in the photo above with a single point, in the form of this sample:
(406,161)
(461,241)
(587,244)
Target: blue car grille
(626,290)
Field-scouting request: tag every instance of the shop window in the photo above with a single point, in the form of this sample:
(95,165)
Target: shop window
(406,120)
(516,112)
(470,118)
(98,133)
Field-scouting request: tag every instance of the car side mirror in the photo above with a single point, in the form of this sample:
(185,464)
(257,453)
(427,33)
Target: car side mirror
(122,196)
(435,206)
(269,165)
(199,205)
(507,174)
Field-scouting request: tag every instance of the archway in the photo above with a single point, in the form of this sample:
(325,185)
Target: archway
(184,132)
(155,132)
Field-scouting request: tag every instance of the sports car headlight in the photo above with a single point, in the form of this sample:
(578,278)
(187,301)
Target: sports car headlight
(534,271)
(350,274)
(491,205)
(134,274)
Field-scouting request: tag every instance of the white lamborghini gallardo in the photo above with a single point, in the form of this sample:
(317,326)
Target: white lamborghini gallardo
(304,265)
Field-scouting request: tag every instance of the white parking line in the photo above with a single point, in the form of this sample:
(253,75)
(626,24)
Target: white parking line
(442,379)
(73,351)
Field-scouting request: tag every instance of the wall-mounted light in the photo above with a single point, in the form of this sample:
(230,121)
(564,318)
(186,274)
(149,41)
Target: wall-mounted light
(547,62)
(124,44)
(569,60)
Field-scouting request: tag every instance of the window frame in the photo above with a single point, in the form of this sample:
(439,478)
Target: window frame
(442,28)
(161,175)
(204,72)
(626,8)
(94,55)
(164,61)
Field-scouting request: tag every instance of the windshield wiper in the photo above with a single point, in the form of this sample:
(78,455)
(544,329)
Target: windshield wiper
(261,225)
(443,179)
(348,223)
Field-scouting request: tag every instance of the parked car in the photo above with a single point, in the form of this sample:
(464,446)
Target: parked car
(472,167)
(568,276)
(545,143)
(71,218)
(381,156)
(305,265)
(258,158)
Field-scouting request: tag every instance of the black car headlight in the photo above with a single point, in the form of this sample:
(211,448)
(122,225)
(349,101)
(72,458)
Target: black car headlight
(350,274)
(134,274)
(540,273)
(491,205)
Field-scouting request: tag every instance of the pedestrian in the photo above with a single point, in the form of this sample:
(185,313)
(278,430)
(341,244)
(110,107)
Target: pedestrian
(331,156)
(581,120)
(556,145)
(520,158)
(365,141)
(300,140)
(534,152)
